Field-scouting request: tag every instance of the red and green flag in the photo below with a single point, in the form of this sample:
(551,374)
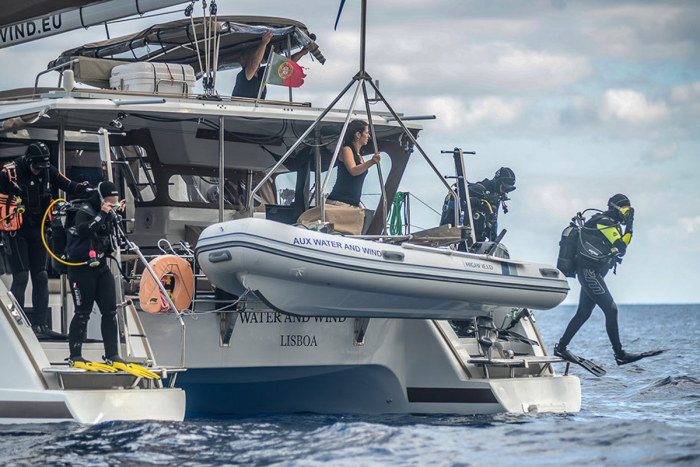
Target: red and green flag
(285,72)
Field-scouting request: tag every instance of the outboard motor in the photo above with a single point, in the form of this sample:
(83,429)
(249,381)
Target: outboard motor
(498,250)
(485,334)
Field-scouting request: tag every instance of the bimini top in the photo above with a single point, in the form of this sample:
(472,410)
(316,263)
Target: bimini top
(174,42)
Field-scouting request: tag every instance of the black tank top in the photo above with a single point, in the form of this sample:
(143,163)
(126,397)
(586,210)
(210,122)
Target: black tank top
(249,88)
(348,188)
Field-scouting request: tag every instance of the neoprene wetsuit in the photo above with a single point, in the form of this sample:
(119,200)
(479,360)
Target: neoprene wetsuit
(604,231)
(28,254)
(93,284)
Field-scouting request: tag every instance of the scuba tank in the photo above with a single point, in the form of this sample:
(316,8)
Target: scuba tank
(568,247)
(58,244)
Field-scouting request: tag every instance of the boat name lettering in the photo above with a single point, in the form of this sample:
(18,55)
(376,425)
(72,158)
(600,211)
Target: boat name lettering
(297,340)
(334,244)
(16,32)
(468,264)
(371,251)
(269,317)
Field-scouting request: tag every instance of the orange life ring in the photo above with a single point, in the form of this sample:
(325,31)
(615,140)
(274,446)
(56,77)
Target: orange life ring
(149,292)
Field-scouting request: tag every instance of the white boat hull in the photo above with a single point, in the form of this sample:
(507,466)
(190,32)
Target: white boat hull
(33,390)
(340,276)
(277,363)
(91,406)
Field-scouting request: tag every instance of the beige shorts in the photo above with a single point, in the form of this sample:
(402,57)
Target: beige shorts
(346,219)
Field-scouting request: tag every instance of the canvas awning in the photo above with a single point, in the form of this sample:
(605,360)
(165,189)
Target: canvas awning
(174,42)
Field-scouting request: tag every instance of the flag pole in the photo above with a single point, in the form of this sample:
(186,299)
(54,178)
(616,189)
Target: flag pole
(265,76)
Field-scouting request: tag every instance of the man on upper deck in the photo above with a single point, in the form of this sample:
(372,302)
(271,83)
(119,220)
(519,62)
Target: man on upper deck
(250,77)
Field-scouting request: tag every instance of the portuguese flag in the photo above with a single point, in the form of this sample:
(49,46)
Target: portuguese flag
(285,72)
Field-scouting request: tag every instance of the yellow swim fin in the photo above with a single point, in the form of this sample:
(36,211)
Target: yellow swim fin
(80,362)
(120,365)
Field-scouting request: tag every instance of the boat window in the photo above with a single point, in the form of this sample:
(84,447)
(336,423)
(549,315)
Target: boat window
(136,169)
(198,189)
(84,165)
(11,150)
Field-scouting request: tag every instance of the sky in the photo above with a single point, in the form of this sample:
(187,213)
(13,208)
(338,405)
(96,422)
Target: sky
(582,99)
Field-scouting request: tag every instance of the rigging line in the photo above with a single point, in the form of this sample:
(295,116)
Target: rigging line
(425,204)
(217,43)
(196,44)
(206,39)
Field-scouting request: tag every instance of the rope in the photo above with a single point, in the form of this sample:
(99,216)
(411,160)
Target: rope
(399,204)
(196,44)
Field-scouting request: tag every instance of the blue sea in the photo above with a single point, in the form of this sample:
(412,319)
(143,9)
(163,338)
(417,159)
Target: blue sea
(643,414)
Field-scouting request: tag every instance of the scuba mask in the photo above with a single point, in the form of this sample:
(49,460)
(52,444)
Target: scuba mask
(106,189)
(505,179)
(620,206)
(626,213)
(38,156)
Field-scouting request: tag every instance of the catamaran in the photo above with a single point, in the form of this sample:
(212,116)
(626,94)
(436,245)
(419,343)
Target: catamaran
(279,318)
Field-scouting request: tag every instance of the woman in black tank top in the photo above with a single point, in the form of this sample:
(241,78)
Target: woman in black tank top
(351,168)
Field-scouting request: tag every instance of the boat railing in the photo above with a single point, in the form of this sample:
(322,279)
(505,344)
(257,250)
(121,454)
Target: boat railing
(62,66)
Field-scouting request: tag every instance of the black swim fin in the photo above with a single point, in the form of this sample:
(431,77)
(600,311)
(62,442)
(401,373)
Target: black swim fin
(580,361)
(623,358)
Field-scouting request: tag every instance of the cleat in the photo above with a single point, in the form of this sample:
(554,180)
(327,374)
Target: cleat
(120,365)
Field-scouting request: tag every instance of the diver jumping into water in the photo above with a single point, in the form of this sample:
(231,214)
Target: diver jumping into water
(601,247)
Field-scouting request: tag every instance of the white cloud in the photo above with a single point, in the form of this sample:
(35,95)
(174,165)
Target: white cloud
(631,107)
(685,92)
(634,31)
(689,225)
(660,153)
(558,200)
(492,111)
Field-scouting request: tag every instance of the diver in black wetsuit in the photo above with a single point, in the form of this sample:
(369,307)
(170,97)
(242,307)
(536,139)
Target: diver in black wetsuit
(602,246)
(90,240)
(486,198)
(31,177)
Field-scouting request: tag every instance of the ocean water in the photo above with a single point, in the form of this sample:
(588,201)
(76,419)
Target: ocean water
(642,414)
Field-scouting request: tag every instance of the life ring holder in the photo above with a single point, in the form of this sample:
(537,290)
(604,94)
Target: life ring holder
(150,292)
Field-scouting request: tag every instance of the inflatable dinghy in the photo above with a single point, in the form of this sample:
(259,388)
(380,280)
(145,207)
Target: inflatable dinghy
(307,273)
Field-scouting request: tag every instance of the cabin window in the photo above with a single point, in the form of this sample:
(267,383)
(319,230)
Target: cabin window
(84,165)
(132,163)
(199,189)
(11,150)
